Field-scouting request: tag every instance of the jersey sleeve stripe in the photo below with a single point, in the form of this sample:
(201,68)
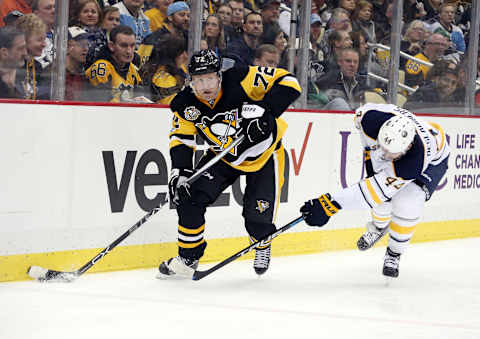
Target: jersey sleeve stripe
(177,141)
(290,81)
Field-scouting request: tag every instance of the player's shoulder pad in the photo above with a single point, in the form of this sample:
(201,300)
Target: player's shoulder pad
(410,166)
(183,99)
(371,118)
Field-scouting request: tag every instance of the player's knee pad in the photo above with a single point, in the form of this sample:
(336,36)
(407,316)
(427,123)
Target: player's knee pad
(258,230)
(382,214)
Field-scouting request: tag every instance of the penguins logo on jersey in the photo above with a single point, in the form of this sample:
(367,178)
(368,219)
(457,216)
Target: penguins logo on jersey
(220,129)
(262,205)
(191,113)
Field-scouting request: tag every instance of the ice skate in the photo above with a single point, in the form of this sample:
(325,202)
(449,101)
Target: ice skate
(177,267)
(371,236)
(262,260)
(391,263)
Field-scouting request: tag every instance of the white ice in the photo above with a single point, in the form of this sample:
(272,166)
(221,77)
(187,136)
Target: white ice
(329,295)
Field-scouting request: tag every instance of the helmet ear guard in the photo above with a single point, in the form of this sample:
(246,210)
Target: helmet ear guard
(396,134)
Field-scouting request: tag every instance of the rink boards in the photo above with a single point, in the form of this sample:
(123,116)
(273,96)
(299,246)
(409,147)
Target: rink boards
(74,178)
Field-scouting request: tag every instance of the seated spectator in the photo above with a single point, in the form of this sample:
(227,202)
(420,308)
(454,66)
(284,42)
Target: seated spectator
(242,51)
(35,82)
(383,23)
(340,20)
(131,15)
(111,19)
(12,58)
(413,10)
(224,12)
(114,77)
(167,64)
(337,40)
(267,55)
(362,19)
(445,26)
(432,8)
(365,65)
(347,5)
(214,35)
(45,10)
(439,92)
(322,9)
(316,34)
(176,23)
(158,14)
(9,6)
(11,18)
(342,86)
(435,47)
(277,38)
(235,30)
(77,49)
(413,38)
(270,11)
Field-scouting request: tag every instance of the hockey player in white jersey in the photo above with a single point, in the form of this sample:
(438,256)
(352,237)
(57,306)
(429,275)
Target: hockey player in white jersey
(406,157)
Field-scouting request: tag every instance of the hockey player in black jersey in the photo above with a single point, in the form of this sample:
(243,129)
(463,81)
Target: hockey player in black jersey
(406,158)
(221,106)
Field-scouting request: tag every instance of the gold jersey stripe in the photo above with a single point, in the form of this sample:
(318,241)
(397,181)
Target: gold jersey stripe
(372,192)
(401,229)
(191,231)
(380,218)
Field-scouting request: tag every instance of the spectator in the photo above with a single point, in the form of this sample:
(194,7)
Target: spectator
(114,77)
(343,88)
(12,58)
(214,35)
(99,41)
(435,47)
(413,38)
(362,19)
(8,6)
(270,13)
(432,8)
(158,14)
(348,5)
(167,64)
(340,20)
(224,12)
(359,40)
(11,18)
(267,55)
(234,32)
(277,38)
(131,15)
(440,92)
(176,23)
(413,10)
(45,10)
(77,49)
(445,25)
(383,23)
(337,40)
(35,83)
(243,50)
(321,8)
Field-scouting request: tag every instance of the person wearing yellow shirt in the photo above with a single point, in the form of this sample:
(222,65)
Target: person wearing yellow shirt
(158,14)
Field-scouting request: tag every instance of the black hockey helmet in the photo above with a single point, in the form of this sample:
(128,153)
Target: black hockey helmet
(205,61)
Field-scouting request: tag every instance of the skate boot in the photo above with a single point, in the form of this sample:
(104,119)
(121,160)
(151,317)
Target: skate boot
(390,264)
(262,260)
(371,236)
(178,267)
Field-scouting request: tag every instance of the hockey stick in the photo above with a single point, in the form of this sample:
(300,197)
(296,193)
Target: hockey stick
(43,274)
(197,275)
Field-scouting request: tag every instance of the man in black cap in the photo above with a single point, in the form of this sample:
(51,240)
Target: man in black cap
(12,17)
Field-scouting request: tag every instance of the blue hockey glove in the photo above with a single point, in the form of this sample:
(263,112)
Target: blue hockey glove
(317,212)
(178,187)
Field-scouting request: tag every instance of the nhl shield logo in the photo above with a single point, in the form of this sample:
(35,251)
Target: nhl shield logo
(191,113)
(262,205)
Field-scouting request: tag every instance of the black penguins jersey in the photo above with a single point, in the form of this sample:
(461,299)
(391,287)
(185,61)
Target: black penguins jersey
(429,148)
(218,122)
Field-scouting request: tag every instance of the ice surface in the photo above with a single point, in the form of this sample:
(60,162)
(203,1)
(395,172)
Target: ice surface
(331,295)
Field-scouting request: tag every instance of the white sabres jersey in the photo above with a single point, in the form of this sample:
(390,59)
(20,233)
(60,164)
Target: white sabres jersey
(429,148)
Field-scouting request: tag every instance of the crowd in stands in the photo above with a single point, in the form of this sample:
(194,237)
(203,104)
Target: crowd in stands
(136,50)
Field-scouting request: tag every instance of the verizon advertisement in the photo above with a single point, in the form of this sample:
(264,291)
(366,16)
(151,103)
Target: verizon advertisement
(76,177)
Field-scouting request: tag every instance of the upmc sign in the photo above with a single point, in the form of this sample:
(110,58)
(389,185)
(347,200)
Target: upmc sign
(117,191)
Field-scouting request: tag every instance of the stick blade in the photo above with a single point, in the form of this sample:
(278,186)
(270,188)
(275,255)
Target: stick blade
(42,274)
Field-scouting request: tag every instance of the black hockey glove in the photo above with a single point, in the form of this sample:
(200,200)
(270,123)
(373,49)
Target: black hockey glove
(178,187)
(317,212)
(257,123)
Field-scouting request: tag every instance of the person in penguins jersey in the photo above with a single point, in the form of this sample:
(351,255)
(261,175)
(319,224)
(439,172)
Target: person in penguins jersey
(220,106)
